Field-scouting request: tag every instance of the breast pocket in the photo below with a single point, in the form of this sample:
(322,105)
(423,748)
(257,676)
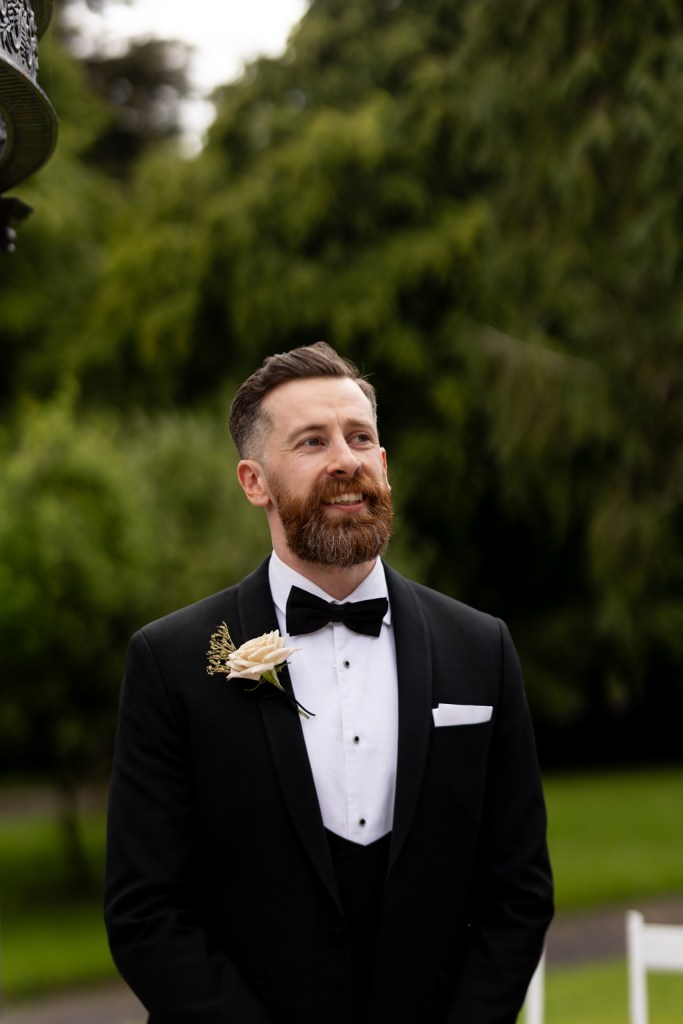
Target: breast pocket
(457,736)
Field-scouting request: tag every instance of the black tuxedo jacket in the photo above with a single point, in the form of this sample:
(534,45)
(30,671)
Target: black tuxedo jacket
(221,900)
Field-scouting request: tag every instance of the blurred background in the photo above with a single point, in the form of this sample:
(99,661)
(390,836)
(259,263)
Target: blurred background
(481,203)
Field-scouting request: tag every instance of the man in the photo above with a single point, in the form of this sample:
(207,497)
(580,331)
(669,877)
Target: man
(381,860)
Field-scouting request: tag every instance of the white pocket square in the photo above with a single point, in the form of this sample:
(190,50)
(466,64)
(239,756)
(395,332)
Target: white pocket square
(462,714)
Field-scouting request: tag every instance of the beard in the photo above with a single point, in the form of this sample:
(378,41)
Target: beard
(338,539)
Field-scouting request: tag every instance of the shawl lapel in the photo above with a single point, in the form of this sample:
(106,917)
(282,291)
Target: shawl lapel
(414,669)
(283,726)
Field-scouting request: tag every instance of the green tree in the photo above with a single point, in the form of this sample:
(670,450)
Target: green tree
(480,203)
(71,553)
(143,89)
(102,527)
(112,109)
(47,283)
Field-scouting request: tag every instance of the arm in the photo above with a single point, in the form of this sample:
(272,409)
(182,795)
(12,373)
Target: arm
(511,905)
(155,931)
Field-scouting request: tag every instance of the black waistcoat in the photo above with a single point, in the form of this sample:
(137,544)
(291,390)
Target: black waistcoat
(360,871)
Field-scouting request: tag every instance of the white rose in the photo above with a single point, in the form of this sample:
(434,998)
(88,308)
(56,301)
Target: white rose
(259,657)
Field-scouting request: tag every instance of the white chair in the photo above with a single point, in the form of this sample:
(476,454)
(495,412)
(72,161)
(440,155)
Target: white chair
(655,947)
(533,1004)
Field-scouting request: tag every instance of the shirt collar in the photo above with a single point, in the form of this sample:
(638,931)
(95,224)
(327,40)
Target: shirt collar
(282,578)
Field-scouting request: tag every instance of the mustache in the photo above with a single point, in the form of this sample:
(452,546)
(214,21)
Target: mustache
(330,490)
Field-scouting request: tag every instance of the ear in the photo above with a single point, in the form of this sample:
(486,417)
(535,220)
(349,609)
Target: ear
(252,480)
(383,453)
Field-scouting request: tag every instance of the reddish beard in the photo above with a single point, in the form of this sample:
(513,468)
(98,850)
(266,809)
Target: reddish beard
(340,539)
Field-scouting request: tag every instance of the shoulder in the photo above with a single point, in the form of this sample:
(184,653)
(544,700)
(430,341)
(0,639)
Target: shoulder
(174,647)
(438,607)
(435,601)
(201,618)
(196,615)
(457,633)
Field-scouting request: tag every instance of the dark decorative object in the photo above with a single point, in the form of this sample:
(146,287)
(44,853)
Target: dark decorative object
(28,123)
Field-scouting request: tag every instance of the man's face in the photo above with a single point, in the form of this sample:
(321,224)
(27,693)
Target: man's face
(325,473)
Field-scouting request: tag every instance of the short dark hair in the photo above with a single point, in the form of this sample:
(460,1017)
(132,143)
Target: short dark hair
(248,420)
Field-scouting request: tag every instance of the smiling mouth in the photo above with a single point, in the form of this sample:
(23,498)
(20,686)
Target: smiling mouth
(350,498)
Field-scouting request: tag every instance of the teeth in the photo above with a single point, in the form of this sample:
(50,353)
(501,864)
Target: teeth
(346,499)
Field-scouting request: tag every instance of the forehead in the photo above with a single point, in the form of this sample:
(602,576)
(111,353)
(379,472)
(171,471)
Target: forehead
(319,400)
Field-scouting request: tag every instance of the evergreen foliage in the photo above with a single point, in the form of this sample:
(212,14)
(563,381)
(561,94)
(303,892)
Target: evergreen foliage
(104,525)
(480,203)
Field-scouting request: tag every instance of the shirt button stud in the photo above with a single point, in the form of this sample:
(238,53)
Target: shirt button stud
(356,739)
(347,664)
(362,821)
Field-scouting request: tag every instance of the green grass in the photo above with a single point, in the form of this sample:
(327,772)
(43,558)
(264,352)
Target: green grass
(599,995)
(51,936)
(614,838)
(54,948)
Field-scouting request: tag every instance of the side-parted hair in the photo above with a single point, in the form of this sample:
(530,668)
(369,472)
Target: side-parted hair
(249,421)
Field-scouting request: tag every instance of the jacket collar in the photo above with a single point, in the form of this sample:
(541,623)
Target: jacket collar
(414,668)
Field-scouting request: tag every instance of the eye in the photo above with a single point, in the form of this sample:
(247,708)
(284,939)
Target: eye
(311,442)
(363,438)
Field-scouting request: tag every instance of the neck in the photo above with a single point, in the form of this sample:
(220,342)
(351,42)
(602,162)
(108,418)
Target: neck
(336,582)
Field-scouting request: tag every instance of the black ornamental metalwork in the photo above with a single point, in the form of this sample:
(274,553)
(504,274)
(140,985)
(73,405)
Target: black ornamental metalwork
(28,123)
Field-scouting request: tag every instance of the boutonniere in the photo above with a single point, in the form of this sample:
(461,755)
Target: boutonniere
(259,660)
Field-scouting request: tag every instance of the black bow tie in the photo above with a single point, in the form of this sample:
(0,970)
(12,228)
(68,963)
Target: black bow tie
(306,613)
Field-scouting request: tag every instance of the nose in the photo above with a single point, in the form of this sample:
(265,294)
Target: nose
(343,460)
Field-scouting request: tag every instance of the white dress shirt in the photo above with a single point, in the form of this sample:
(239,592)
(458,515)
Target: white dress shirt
(349,682)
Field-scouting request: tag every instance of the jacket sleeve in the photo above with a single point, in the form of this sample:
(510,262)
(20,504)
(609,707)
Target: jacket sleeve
(155,930)
(512,897)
